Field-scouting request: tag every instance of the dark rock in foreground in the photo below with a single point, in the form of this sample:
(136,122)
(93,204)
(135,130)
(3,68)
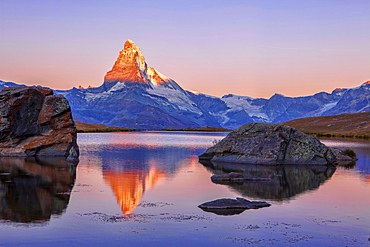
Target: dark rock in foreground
(261,143)
(226,206)
(34,122)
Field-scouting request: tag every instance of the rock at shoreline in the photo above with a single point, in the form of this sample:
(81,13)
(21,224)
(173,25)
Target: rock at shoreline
(342,157)
(34,122)
(226,206)
(261,143)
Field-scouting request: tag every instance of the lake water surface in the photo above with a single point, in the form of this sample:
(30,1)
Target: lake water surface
(143,189)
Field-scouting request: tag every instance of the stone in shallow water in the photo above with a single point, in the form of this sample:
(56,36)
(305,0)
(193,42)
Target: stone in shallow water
(227,206)
(261,143)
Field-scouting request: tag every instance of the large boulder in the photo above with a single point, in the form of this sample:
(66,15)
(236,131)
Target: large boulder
(262,143)
(34,122)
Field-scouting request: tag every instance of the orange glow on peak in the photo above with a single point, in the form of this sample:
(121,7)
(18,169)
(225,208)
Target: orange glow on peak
(81,87)
(194,92)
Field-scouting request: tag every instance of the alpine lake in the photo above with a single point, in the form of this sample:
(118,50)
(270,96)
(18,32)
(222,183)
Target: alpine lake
(144,188)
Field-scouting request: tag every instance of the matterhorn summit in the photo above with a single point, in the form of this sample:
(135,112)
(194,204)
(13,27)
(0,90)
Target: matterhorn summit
(137,96)
(130,66)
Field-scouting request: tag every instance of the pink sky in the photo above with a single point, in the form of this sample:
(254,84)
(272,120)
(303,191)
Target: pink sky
(253,48)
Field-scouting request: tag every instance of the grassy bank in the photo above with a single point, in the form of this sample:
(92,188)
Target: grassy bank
(92,128)
(353,125)
(201,129)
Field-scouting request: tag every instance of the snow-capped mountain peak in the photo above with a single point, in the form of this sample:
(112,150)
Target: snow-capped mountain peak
(131,66)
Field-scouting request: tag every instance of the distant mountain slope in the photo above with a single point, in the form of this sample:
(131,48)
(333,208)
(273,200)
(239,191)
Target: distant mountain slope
(4,84)
(232,111)
(136,96)
(352,124)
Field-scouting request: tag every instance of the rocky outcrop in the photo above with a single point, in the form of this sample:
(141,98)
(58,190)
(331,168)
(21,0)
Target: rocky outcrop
(34,122)
(226,206)
(261,143)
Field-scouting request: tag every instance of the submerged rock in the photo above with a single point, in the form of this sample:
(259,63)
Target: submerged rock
(226,206)
(261,143)
(235,177)
(34,122)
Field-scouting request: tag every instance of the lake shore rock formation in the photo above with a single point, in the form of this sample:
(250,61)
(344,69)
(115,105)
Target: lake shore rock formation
(272,144)
(34,122)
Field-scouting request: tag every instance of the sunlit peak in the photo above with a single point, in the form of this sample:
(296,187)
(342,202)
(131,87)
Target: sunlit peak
(130,41)
(194,92)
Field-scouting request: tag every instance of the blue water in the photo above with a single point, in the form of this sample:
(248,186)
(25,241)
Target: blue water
(143,189)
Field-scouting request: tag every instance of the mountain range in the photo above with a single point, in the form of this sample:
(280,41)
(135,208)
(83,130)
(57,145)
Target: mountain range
(134,95)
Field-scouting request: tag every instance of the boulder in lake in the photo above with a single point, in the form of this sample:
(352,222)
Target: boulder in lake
(34,122)
(227,206)
(262,143)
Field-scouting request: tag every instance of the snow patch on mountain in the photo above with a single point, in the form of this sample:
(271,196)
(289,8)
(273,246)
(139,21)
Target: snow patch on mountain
(323,109)
(118,86)
(94,96)
(238,103)
(177,98)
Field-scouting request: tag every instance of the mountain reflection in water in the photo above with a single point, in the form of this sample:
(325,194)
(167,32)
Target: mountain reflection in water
(286,180)
(132,170)
(31,190)
(129,186)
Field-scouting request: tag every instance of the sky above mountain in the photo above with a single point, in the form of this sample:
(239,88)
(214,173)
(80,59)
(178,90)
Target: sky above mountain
(255,48)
